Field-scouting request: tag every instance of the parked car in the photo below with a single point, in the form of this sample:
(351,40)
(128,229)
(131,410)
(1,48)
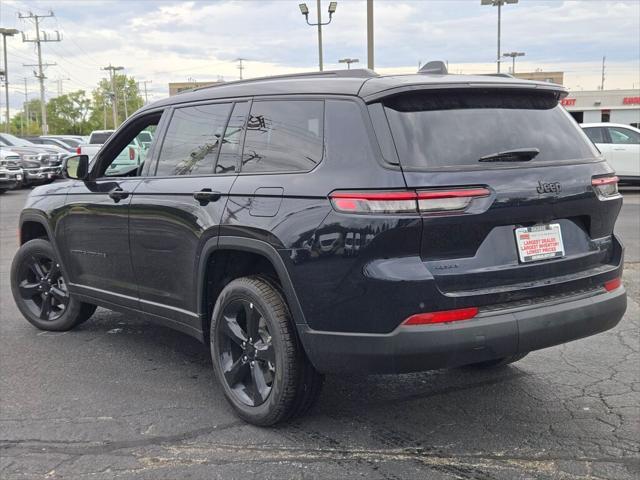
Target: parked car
(52,141)
(337,222)
(40,163)
(11,175)
(620,145)
(96,140)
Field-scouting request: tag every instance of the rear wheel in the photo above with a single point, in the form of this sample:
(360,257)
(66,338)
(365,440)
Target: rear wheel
(40,289)
(498,362)
(256,354)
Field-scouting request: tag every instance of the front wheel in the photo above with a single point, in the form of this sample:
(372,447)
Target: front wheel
(40,289)
(256,354)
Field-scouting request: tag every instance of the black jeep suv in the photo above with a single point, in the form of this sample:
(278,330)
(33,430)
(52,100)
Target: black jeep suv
(336,222)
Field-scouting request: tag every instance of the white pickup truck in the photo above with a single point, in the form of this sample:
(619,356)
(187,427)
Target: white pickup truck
(96,139)
(128,159)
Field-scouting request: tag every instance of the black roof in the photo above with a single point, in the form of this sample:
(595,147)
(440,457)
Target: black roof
(358,82)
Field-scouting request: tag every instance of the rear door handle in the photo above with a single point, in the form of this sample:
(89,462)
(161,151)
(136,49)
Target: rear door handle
(118,194)
(206,195)
(620,149)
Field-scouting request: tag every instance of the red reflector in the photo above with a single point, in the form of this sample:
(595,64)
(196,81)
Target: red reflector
(441,317)
(612,284)
(78,151)
(604,181)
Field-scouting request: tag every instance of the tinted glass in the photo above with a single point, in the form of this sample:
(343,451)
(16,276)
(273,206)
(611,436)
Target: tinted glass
(99,138)
(192,140)
(131,158)
(623,136)
(283,136)
(596,134)
(456,128)
(232,143)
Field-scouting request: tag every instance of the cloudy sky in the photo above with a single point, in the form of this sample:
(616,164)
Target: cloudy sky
(165,41)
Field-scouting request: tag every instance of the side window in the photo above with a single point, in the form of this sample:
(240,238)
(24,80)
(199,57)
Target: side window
(192,140)
(232,141)
(596,134)
(131,153)
(623,136)
(284,136)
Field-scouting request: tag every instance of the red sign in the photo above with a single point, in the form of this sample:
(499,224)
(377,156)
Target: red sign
(568,102)
(631,101)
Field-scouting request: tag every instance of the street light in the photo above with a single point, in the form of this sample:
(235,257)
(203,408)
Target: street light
(348,61)
(6,32)
(498,3)
(513,56)
(305,11)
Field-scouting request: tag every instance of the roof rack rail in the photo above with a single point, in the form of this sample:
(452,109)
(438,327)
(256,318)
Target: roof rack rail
(436,67)
(355,73)
(503,75)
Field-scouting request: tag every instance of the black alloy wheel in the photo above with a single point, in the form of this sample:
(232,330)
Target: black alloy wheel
(41,291)
(42,287)
(256,354)
(246,352)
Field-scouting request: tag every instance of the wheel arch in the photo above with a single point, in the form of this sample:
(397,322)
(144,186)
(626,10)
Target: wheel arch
(32,224)
(247,245)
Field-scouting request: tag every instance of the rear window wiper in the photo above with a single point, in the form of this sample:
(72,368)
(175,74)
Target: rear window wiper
(515,155)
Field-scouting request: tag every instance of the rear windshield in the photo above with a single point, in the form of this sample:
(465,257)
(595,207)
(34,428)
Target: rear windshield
(99,138)
(453,128)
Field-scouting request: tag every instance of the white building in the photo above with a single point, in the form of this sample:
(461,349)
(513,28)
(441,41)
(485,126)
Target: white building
(616,106)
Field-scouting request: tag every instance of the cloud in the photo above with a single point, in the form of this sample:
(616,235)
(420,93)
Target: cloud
(171,40)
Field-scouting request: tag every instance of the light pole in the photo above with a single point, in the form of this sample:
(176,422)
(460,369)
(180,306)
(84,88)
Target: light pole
(498,3)
(305,11)
(348,61)
(513,56)
(6,32)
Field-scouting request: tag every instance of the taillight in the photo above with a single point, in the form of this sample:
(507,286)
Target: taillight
(447,200)
(613,284)
(78,151)
(444,316)
(605,187)
(374,202)
(132,154)
(425,201)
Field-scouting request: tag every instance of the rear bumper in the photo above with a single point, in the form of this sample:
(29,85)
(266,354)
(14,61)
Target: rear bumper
(488,336)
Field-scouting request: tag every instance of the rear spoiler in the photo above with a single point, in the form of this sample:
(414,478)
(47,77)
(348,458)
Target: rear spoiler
(559,90)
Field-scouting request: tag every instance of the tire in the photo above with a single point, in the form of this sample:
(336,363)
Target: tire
(260,363)
(37,282)
(498,362)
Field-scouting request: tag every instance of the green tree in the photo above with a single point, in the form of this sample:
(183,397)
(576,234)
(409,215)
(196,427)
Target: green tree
(127,97)
(67,114)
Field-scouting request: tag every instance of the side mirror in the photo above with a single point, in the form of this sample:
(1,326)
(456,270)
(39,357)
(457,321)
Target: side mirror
(76,167)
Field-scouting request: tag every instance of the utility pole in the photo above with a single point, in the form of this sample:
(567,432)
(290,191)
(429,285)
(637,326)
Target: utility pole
(124,94)
(602,81)
(370,34)
(59,83)
(26,103)
(38,41)
(114,98)
(240,66)
(146,98)
(6,32)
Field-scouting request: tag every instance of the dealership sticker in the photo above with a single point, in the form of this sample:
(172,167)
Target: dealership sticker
(539,242)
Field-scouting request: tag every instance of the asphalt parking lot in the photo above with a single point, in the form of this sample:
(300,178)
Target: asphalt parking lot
(122,398)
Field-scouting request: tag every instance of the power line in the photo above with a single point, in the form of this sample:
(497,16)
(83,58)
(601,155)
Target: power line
(38,40)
